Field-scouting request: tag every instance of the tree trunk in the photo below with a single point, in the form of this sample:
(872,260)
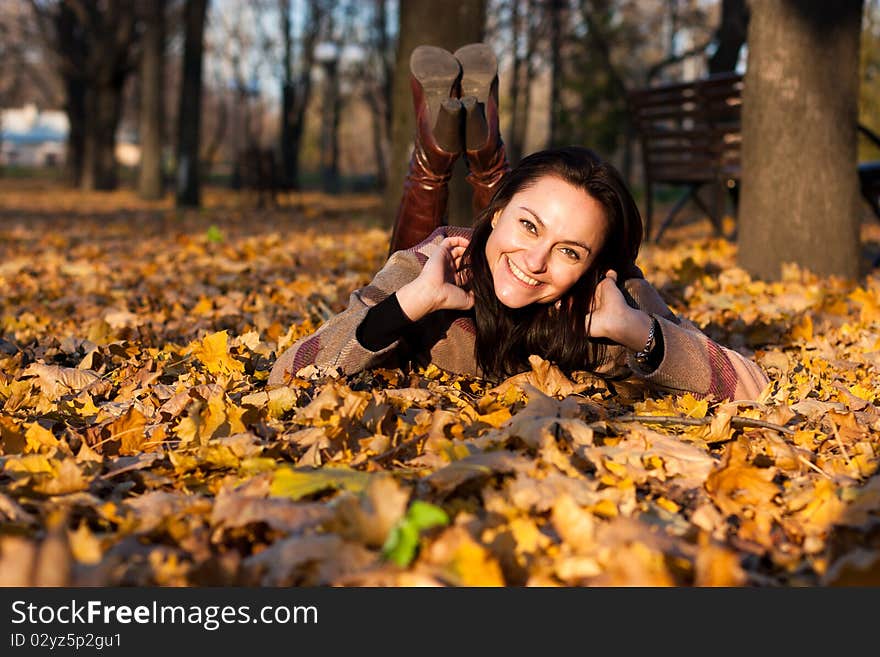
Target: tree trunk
(70,45)
(446,25)
(514,139)
(189,113)
(330,128)
(379,97)
(799,187)
(103,107)
(555,71)
(296,90)
(730,36)
(75,106)
(288,173)
(151,113)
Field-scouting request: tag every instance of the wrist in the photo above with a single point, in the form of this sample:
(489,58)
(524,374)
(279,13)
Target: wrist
(414,300)
(636,330)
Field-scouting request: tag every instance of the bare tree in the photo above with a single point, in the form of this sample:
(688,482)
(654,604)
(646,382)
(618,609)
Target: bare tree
(152,116)
(556,10)
(730,36)
(95,49)
(296,82)
(190,108)
(523,39)
(377,76)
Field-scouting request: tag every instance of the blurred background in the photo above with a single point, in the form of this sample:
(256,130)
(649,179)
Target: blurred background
(168,96)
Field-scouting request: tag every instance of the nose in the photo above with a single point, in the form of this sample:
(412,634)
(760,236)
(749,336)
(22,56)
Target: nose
(536,258)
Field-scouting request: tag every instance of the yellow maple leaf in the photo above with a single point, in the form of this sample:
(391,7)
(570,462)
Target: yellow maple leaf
(863,392)
(213,352)
(869,309)
(472,565)
(39,438)
(803,330)
(693,407)
(664,406)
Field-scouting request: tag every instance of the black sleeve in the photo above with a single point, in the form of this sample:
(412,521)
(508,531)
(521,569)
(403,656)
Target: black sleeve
(384,323)
(656,355)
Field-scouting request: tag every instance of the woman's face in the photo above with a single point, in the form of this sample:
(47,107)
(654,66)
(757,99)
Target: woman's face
(543,242)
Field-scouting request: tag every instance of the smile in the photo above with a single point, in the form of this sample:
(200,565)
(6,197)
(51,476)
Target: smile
(520,274)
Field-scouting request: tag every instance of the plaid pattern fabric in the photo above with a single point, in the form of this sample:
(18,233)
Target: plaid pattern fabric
(691,361)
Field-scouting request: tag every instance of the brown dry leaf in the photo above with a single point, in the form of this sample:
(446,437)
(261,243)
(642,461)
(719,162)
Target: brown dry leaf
(461,560)
(129,430)
(717,566)
(154,508)
(12,440)
(56,381)
(233,509)
(12,512)
(736,485)
(368,518)
(39,439)
(544,376)
(316,560)
(67,477)
(823,510)
(575,526)
(864,510)
(85,547)
(476,466)
(633,564)
(539,495)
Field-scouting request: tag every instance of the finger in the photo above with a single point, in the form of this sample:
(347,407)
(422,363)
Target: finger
(455,241)
(611,274)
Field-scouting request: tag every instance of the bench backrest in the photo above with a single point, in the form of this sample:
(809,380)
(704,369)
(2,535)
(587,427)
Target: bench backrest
(690,131)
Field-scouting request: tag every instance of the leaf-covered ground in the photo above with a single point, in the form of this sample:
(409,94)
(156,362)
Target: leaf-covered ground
(139,443)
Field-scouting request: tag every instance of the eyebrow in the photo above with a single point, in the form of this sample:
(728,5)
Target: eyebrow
(538,219)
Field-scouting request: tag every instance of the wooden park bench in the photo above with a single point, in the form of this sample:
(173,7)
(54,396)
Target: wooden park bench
(690,135)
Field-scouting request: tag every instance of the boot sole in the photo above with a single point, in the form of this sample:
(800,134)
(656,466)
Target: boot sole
(438,72)
(479,70)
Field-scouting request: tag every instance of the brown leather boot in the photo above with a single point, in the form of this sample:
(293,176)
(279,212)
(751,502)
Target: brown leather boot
(484,149)
(435,76)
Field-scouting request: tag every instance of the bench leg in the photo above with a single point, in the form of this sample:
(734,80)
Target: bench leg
(679,204)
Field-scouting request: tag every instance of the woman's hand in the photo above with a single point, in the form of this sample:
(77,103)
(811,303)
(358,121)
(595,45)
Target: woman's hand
(613,318)
(439,285)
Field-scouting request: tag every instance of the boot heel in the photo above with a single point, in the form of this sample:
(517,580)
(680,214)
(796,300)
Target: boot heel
(476,131)
(438,74)
(479,70)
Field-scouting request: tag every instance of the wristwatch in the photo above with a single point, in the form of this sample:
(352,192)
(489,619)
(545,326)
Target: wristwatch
(643,357)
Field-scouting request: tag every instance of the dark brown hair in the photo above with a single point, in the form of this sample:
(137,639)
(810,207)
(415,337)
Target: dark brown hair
(505,336)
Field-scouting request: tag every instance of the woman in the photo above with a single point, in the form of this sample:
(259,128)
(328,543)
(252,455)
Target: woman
(547,269)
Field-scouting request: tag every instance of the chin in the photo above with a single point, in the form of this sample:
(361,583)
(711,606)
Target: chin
(513,301)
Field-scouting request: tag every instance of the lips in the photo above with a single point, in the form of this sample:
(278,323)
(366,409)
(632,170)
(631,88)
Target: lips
(520,275)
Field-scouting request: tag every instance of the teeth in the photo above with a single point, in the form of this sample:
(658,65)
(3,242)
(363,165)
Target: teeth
(521,275)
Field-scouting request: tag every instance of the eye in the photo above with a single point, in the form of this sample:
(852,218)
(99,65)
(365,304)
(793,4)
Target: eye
(570,253)
(529,226)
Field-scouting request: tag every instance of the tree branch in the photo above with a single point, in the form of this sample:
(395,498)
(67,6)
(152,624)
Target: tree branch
(735,421)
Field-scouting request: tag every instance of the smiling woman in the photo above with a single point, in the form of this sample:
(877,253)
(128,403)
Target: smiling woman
(549,267)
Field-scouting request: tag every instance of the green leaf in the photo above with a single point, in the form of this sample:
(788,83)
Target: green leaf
(297,483)
(424,516)
(403,540)
(213,234)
